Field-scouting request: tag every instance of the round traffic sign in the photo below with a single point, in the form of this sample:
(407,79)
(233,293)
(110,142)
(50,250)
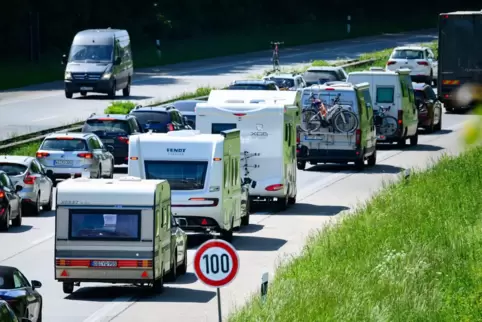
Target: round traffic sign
(216,263)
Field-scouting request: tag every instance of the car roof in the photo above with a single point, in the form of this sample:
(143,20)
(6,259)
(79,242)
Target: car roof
(7,269)
(283,75)
(122,117)
(75,135)
(419,86)
(253,81)
(188,101)
(409,48)
(159,108)
(323,68)
(25,160)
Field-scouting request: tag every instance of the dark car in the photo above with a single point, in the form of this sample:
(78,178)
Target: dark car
(10,203)
(323,74)
(20,294)
(114,130)
(429,107)
(160,119)
(262,85)
(188,109)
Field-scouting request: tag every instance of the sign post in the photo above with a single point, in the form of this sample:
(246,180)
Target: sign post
(216,264)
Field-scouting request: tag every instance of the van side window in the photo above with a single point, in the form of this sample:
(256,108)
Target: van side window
(286,132)
(226,173)
(158,221)
(290,135)
(409,88)
(385,94)
(368,98)
(165,217)
(361,102)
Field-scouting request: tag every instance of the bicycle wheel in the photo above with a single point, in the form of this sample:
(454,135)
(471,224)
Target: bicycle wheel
(388,126)
(345,121)
(310,120)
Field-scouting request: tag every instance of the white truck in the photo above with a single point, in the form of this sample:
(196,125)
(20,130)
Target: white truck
(267,121)
(115,231)
(203,172)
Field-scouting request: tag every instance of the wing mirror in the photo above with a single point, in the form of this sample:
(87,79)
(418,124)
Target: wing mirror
(18,188)
(36,284)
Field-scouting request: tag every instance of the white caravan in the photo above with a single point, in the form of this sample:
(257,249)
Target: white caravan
(268,138)
(203,172)
(114,231)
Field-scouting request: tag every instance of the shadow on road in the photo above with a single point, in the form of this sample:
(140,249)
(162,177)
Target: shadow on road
(105,97)
(251,228)
(19,230)
(441,132)
(383,168)
(257,244)
(307,209)
(187,278)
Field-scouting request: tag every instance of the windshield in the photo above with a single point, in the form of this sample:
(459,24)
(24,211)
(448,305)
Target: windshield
(249,87)
(407,54)
(91,53)
(106,126)
(185,106)
(181,175)
(320,77)
(148,117)
(12,169)
(111,225)
(283,82)
(347,98)
(64,145)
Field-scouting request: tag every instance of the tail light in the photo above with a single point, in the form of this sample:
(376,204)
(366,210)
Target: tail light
(123,139)
(400,118)
(2,194)
(170,127)
(29,179)
(358,137)
(42,154)
(391,62)
(85,155)
(423,63)
(274,187)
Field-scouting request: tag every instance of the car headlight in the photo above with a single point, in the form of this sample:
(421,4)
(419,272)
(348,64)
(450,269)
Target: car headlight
(67,75)
(107,75)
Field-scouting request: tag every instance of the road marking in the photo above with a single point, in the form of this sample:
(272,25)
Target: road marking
(102,314)
(45,118)
(41,240)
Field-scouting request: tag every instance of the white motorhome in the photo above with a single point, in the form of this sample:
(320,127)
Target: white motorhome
(203,172)
(396,114)
(267,122)
(114,231)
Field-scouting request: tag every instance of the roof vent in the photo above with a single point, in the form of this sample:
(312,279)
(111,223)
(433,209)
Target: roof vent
(184,133)
(130,178)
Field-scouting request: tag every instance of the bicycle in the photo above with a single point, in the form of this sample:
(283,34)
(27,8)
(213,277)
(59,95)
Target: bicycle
(386,125)
(275,57)
(317,116)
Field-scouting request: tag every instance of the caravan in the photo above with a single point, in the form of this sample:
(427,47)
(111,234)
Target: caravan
(267,121)
(203,172)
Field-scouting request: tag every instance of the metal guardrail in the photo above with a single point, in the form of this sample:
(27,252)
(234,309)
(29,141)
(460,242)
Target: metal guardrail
(76,127)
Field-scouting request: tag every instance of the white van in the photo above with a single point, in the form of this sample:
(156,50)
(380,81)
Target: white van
(326,145)
(203,172)
(114,231)
(267,122)
(396,115)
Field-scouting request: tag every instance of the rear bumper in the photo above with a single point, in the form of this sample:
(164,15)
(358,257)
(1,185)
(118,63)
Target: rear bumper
(332,156)
(97,86)
(68,172)
(419,78)
(194,223)
(117,275)
(424,120)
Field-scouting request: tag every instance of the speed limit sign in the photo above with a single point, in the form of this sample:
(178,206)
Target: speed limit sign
(216,263)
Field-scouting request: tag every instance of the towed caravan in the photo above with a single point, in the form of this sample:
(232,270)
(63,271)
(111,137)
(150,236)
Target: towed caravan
(267,121)
(115,231)
(203,172)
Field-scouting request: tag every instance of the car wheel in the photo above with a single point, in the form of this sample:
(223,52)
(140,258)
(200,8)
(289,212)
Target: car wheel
(68,94)
(171,277)
(183,268)
(48,206)
(158,285)
(414,140)
(83,93)
(111,170)
(430,128)
(112,91)
(68,287)
(36,206)
(17,221)
(360,164)
(301,165)
(5,223)
(127,90)
(438,127)
(372,159)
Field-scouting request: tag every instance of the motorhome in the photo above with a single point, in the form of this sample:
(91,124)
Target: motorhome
(267,122)
(327,144)
(396,115)
(203,172)
(114,231)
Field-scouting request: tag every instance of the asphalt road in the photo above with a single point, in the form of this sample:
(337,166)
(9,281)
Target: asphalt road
(44,106)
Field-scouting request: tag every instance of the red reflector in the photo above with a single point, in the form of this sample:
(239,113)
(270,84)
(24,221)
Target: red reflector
(423,63)
(42,154)
(144,274)
(358,137)
(64,273)
(197,199)
(446,96)
(329,89)
(390,62)
(64,138)
(239,114)
(123,139)
(204,222)
(400,117)
(2,194)
(85,155)
(297,151)
(106,119)
(170,127)
(446,16)
(274,187)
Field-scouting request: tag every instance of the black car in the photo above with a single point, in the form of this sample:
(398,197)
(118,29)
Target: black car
(262,85)
(188,109)
(114,130)
(7,314)
(323,74)
(10,203)
(20,294)
(160,119)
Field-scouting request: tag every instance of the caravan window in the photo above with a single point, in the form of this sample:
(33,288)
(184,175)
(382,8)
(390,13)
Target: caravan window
(217,128)
(105,225)
(181,175)
(385,94)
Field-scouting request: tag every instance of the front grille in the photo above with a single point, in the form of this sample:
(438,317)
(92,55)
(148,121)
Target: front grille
(86,76)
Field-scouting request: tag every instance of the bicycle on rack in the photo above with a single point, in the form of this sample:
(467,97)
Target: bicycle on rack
(338,118)
(386,125)
(275,57)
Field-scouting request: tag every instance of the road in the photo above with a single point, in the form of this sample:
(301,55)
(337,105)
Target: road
(44,106)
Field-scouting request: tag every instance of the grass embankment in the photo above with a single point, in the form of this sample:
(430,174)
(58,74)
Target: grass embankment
(413,253)
(19,73)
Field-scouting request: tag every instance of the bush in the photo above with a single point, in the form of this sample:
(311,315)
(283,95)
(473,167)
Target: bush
(120,107)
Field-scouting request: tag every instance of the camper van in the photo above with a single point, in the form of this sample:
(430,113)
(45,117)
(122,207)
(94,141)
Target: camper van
(396,115)
(267,122)
(115,231)
(203,172)
(326,144)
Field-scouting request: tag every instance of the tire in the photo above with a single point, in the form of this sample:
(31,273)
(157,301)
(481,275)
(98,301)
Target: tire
(158,285)
(112,171)
(388,126)
(83,93)
(438,126)
(69,94)
(414,139)
(301,165)
(360,164)
(311,115)
(183,268)
(282,203)
(5,223)
(99,173)
(429,79)
(171,277)
(339,119)
(292,200)
(68,287)
(227,235)
(39,317)
(245,218)
(17,221)
(372,159)
(48,206)
(112,91)
(126,92)
(449,110)
(430,128)
(36,206)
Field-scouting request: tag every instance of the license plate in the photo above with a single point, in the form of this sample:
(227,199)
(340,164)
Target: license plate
(108,141)
(103,263)
(314,137)
(63,162)
(86,88)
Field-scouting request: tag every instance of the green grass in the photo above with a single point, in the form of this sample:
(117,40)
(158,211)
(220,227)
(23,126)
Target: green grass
(19,73)
(413,253)
(28,149)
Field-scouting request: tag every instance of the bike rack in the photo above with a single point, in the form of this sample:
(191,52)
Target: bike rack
(244,157)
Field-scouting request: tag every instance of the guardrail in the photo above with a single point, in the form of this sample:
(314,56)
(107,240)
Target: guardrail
(76,127)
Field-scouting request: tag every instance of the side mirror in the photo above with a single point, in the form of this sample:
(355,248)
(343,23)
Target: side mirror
(18,188)
(49,173)
(117,61)
(64,59)
(110,148)
(36,284)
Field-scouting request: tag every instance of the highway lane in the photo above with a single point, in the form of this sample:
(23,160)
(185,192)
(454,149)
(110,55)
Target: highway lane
(324,191)
(44,106)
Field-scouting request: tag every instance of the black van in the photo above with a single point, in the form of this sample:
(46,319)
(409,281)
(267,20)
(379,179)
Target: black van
(100,61)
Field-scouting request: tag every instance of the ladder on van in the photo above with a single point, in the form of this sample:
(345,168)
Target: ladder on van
(244,157)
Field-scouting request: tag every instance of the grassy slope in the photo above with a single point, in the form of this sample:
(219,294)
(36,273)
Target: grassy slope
(413,253)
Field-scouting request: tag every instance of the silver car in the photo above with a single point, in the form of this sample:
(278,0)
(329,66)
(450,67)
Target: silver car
(35,180)
(76,154)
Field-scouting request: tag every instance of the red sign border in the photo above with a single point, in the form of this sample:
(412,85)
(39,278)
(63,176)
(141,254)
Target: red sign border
(229,249)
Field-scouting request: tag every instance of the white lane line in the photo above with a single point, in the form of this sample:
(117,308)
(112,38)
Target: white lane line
(44,118)
(32,244)
(41,240)
(102,314)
